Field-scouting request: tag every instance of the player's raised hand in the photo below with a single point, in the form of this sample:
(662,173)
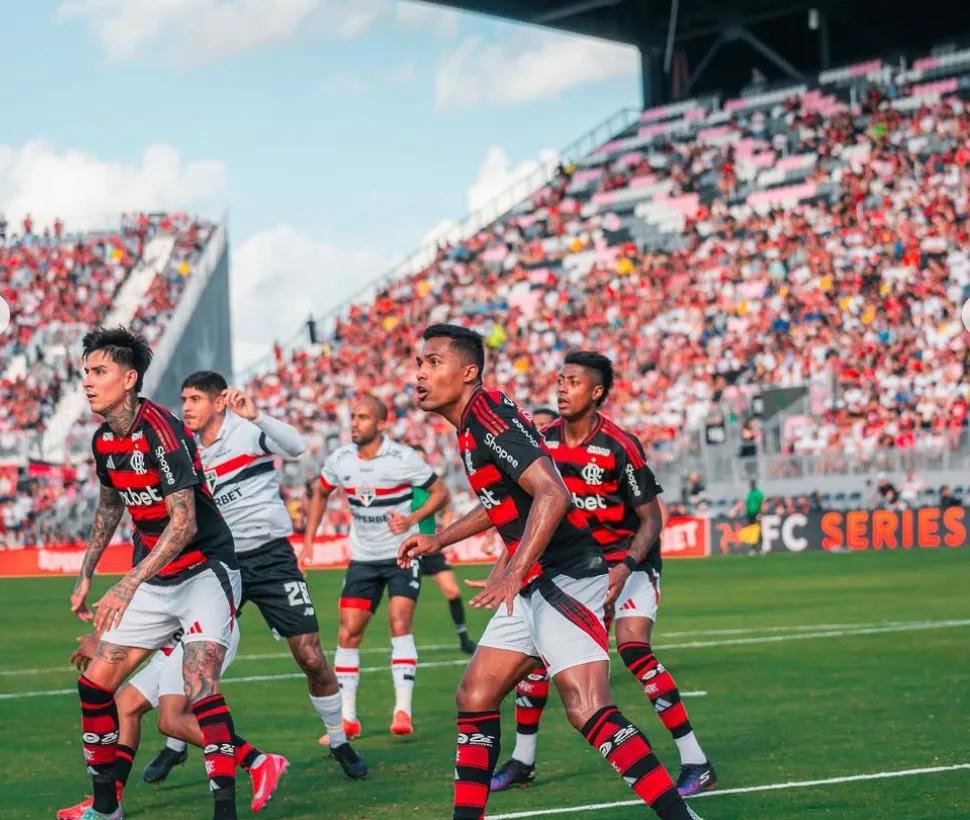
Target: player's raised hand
(240,403)
(397,523)
(79,599)
(113,604)
(84,654)
(499,588)
(415,546)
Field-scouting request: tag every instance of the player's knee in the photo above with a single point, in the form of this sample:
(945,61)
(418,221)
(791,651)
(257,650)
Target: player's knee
(473,697)
(348,639)
(401,626)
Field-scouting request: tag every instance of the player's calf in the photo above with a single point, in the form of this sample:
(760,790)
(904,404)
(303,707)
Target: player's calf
(99,727)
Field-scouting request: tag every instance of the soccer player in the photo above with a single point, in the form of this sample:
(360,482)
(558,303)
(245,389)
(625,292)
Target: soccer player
(549,594)
(238,445)
(605,469)
(379,477)
(438,568)
(158,685)
(184,575)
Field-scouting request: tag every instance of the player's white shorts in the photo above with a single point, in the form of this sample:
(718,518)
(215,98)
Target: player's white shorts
(561,623)
(640,596)
(162,675)
(203,607)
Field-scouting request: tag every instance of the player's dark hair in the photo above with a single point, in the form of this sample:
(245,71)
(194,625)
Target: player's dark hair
(121,346)
(380,409)
(469,343)
(207,381)
(599,364)
(546,410)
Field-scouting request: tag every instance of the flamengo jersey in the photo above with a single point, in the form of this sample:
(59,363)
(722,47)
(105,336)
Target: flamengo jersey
(240,471)
(609,478)
(498,443)
(157,458)
(375,488)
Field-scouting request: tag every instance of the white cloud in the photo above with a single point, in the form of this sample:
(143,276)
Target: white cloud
(281,275)
(193,32)
(503,185)
(424,15)
(530,65)
(87,192)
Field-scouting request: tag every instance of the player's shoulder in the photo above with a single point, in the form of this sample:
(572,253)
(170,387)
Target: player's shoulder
(395,449)
(162,426)
(552,431)
(618,439)
(342,453)
(103,433)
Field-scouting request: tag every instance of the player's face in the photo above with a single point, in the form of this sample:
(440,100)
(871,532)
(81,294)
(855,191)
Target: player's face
(364,426)
(543,419)
(106,383)
(199,408)
(441,374)
(576,391)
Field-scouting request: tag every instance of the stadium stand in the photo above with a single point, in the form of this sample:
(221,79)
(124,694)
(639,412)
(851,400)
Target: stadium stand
(809,237)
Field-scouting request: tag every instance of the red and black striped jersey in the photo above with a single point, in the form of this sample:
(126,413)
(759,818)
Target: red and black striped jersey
(609,478)
(157,458)
(498,443)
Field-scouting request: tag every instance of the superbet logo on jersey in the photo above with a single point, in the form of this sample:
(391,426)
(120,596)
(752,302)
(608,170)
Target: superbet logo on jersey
(140,498)
(589,503)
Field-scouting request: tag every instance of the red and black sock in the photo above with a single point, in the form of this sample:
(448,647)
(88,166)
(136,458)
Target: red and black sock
(659,686)
(531,696)
(123,764)
(99,734)
(628,751)
(479,738)
(246,754)
(220,753)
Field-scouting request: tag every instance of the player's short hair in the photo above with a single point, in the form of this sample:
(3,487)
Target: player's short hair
(121,346)
(207,381)
(545,410)
(469,343)
(380,409)
(596,362)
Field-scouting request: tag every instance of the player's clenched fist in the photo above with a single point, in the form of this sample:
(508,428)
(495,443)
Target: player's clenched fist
(415,546)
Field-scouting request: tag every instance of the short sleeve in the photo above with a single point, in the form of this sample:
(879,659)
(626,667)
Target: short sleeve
(506,438)
(329,479)
(174,455)
(638,484)
(416,471)
(100,467)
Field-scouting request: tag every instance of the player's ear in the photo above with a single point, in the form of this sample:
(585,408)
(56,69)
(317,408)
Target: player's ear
(598,394)
(472,374)
(220,402)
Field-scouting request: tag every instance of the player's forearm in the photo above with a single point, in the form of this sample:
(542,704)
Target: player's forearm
(179,531)
(651,525)
(472,523)
(548,510)
(286,438)
(106,519)
(318,507)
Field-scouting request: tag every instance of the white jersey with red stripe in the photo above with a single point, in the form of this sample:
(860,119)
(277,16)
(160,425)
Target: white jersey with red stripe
(240,470)
(375,488)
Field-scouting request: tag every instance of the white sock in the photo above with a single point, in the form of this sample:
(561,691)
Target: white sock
(690,750)
(346,663)
(525,748)
(175,745)
(404,666)
(331,711)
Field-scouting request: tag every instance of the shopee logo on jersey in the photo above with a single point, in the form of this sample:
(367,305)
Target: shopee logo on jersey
(525,432)
(499,450)
(163,465)
(589,502)
(631,477)
(140,498)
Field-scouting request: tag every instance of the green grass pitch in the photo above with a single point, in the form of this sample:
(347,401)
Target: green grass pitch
(815,666)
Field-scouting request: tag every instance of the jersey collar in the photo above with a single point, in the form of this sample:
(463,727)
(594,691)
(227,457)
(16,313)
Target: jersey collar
(468,407)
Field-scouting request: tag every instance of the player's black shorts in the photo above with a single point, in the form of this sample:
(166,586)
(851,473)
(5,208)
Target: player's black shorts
(433,564)
(272,580)
(365,581)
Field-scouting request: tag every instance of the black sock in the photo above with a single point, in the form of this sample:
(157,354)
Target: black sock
(99,727)
(458,614)
(246,753)
(215,721)
(123,764)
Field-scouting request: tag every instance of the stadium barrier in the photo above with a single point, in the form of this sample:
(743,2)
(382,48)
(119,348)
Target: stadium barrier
(684,537)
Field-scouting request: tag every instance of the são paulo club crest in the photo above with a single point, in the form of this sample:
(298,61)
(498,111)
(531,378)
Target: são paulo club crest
(366,494)
(210,480)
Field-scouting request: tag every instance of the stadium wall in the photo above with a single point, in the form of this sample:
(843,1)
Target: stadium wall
(206,342)
(684,537)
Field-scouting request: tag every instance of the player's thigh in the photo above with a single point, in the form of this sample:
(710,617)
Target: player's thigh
(284,602)
(448,584)
(362,589)
(636,607)
(566,618)
(491,675)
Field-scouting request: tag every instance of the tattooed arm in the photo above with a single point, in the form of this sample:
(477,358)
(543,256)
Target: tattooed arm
(179,531)
(106,519)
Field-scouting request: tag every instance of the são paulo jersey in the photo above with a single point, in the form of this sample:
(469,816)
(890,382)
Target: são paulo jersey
(241,473)
(157,458)
(498,443)
(609,478)
(375,488)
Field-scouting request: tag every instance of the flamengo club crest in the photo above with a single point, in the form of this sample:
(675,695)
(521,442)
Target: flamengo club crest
(592,474)
(138,463)
(366,494)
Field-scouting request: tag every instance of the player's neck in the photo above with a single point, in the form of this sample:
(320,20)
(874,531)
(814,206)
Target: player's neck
(578,430)
(121,417)
(456,412)
(210,432)
(368,451)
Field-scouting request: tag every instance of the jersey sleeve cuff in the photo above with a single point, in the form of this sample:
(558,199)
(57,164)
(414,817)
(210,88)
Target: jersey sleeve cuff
(427,484)
(326,485)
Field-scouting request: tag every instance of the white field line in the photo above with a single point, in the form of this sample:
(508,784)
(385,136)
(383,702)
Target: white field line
(376,650)
(795,784)
(831,633)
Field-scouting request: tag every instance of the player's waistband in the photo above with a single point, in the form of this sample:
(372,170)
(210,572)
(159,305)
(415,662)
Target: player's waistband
(257,547)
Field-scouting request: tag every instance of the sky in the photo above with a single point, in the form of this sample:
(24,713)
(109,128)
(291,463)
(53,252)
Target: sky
(337,136)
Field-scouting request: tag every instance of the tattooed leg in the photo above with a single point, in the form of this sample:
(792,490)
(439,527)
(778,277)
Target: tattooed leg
(202,669)
(308,653)
(112,663)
